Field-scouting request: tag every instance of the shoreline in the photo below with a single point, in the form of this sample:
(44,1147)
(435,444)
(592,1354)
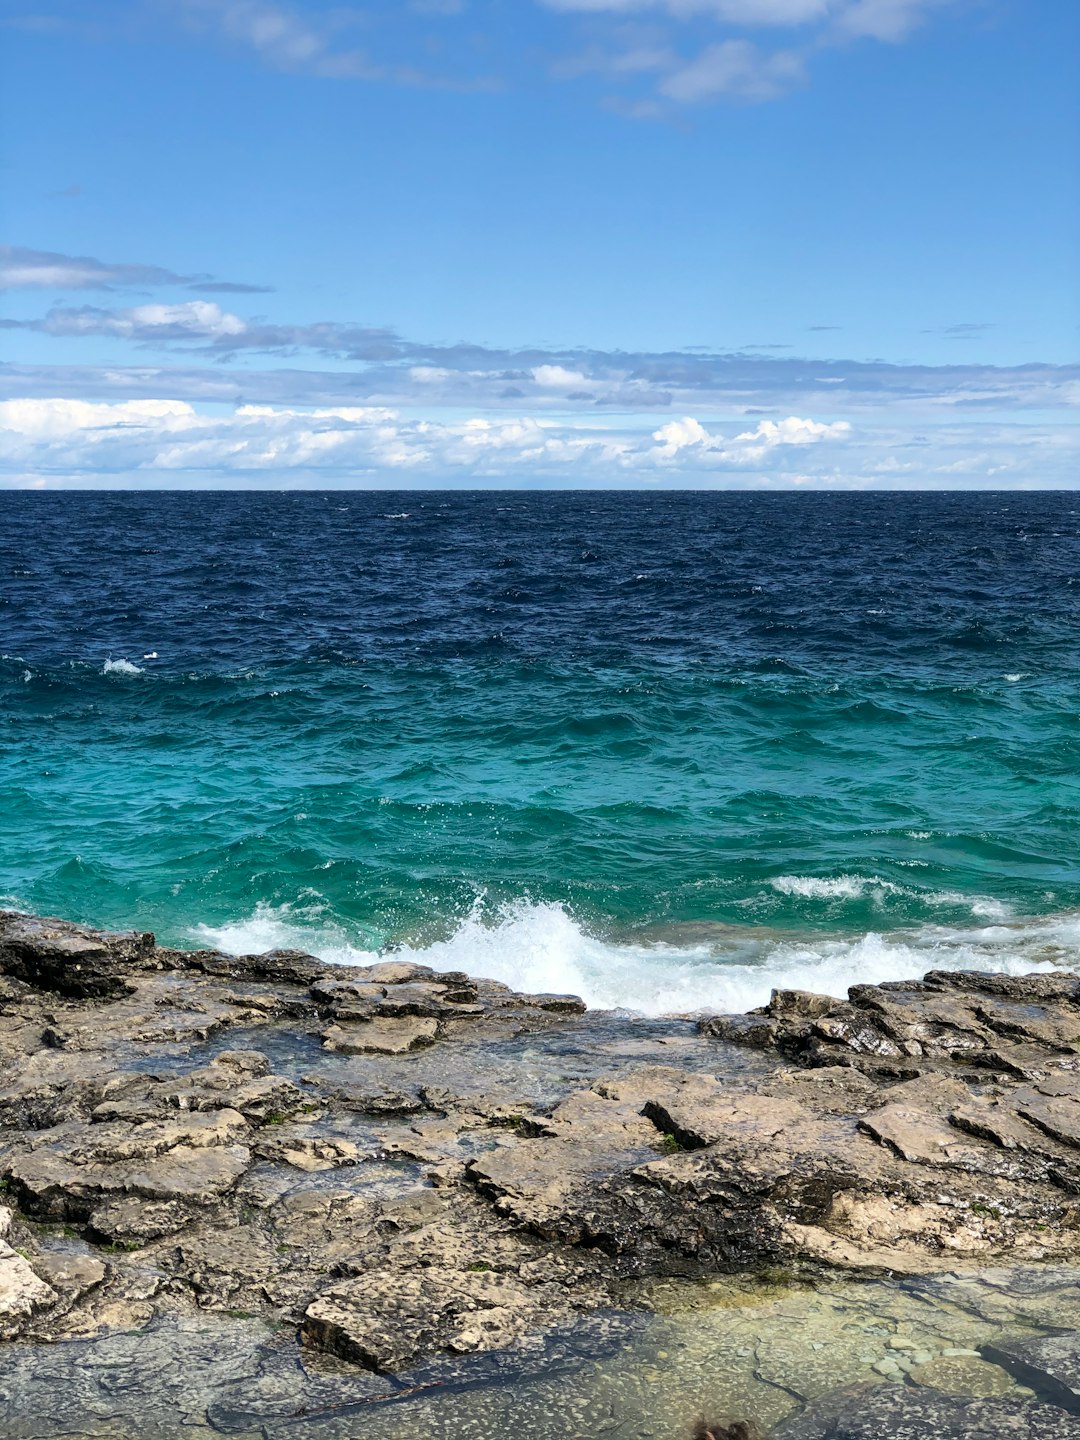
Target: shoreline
(398,1171)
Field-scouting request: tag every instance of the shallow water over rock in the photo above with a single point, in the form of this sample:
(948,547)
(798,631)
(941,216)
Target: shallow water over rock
(766,1349)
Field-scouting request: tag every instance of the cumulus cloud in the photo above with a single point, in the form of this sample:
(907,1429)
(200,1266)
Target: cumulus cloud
(166,442)
(678,437)
(69,437)
(23,268)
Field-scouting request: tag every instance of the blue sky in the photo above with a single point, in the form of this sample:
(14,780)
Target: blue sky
(640,242)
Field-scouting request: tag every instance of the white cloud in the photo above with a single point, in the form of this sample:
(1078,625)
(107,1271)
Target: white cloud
(729,66)
(281,38)
(49,420)
(553,377)
(170,442)
(736,69)
(190,320)
(23,268)
(890,20)
(881,19)
(69,436)
(679,436)
(293,39)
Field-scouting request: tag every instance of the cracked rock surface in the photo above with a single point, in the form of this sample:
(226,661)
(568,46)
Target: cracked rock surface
(389,1166)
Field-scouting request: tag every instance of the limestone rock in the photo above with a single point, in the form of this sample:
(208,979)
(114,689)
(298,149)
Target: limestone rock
(22,1293)
(381,1037)
(384,1322)
(71,959)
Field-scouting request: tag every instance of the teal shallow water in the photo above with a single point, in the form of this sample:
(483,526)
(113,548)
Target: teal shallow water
(788,760)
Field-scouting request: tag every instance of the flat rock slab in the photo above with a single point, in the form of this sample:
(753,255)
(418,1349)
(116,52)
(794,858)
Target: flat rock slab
(384,1036)
(386,1322)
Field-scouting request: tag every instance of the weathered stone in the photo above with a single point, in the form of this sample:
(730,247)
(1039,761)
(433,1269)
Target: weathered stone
(70,1273)
(384,1322)
(400,1199)
(22,1293)
(66,1173)
(381,1037)
(1057,1115)
(916,1125)
(70,959)
(133,1220)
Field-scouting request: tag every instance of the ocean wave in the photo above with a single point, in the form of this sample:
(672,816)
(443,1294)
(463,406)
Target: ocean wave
(875,888)
(542,947)
(120,667)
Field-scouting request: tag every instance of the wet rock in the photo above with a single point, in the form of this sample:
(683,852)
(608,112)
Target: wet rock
(895,1412)
(1049,1365)
(74,1275)
(381,1037)
(69,959)
(405,1162)
(384,1322)
(133,1221)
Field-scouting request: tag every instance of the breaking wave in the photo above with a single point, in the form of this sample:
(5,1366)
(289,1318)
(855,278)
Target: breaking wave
(541,948)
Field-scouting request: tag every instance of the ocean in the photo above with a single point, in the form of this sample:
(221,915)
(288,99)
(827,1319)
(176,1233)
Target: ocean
(663,750)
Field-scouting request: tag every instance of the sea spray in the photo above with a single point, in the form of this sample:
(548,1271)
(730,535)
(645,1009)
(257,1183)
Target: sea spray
(541,948)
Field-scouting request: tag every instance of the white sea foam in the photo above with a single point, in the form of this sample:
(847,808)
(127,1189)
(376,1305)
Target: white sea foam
(542,948)
(839,887)
(120,667)
(858,887)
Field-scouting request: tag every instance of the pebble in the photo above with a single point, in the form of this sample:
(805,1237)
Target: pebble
(887,1366)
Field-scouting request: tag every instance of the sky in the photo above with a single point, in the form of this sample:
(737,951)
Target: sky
(640,243)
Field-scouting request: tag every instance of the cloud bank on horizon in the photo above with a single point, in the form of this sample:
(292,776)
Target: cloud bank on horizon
(157,443)
(134,372)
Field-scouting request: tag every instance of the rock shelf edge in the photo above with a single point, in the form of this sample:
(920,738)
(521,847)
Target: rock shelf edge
(394,1164)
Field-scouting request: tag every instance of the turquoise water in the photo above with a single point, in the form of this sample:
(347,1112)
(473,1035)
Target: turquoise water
(666,751)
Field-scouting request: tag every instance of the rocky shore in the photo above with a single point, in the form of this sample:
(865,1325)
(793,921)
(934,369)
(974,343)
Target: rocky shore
(336,1186)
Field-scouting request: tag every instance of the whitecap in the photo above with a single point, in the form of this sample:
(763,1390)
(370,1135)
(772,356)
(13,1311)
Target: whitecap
(839,887)
(120,667)
(542,947)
